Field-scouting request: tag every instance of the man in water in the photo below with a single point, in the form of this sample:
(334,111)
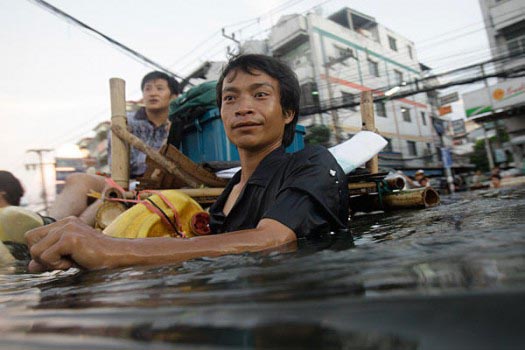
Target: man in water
(150,124)
(275,198)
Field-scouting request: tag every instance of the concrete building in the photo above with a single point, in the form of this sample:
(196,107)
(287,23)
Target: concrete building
(504,101)
(339,56)
(505,25)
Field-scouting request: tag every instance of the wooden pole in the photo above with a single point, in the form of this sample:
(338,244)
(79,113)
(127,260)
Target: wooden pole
(119,148)
(367,116)
(171,167)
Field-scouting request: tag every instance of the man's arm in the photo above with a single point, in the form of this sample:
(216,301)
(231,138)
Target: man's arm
(70,243)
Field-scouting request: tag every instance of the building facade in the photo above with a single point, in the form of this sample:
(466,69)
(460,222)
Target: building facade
(505,25)
(339,56)
(504,102)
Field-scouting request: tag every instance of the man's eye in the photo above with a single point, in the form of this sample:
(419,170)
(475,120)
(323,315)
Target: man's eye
(228,98)
(261,94)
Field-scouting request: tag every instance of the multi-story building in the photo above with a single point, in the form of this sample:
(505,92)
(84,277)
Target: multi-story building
(503,102)
(338,57)
(505,25)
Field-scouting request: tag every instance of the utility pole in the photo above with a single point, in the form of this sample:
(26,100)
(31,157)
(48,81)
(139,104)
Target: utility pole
(333,112)
(232,38)
(41,164)
(488,148)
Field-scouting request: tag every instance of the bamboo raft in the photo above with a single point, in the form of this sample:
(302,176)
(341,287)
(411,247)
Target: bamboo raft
(170,169)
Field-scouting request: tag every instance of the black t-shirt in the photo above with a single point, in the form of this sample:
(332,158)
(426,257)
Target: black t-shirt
(307,191)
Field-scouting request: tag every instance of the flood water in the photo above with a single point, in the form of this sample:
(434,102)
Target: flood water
(449,277)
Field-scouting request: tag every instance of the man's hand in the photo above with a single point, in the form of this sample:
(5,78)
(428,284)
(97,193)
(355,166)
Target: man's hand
(67,243)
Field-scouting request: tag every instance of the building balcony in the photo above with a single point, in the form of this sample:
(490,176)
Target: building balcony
(506,13)
(290,32)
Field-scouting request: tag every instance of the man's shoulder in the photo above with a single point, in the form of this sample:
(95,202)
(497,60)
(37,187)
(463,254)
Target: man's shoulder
(314,154)
(138,116)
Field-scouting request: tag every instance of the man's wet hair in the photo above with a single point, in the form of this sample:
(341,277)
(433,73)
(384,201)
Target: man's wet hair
(11,188)
(289,89)
(172,83)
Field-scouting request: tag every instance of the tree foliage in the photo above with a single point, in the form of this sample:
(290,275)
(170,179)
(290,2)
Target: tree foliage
(318,135)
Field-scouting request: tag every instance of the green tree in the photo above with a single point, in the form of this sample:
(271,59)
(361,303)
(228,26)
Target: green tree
(479,157)
(318,135)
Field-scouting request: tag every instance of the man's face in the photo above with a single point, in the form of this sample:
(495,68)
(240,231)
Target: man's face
(251,110)
(156,94)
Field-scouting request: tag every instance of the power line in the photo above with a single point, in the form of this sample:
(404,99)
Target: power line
(112,41)
(325,105)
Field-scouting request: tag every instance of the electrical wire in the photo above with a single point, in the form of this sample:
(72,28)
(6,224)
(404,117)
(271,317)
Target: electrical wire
(56,11)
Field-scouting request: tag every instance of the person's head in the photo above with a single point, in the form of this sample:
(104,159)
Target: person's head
(261,72)
(11,189)
(495,179)
(158,89)
(419,174)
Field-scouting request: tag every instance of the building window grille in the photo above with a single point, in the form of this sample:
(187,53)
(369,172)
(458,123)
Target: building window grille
(423,118)
(380,109)
(373,68)
(516,46)
(405,112)
(412,149)
(392,43)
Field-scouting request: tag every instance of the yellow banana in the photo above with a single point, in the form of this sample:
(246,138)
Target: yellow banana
(140,222)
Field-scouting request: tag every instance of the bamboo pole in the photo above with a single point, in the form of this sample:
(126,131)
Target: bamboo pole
(396,183)
(367,116)
(410,199)
(171,167)
(119,148)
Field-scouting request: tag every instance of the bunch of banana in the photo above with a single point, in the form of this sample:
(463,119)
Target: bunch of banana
(140,222)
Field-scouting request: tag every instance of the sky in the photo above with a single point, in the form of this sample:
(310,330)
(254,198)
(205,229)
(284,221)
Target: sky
(54,75)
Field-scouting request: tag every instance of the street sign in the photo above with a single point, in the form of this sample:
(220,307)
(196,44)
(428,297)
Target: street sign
(445,110)
(446,157)
(448,99)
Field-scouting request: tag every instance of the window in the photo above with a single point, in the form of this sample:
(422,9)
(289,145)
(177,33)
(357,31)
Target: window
(309,95)
(380,109)
(373,68)
(423,118)
(398,77)
(412,149)
(516,46)
(388,147)
(405,112)
(345,52)
(409,49)
(347,98)
(392,43)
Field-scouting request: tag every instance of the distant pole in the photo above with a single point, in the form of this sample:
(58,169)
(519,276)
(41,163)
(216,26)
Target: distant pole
(369,123)
(488,148)
(40,151)
(333,112)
